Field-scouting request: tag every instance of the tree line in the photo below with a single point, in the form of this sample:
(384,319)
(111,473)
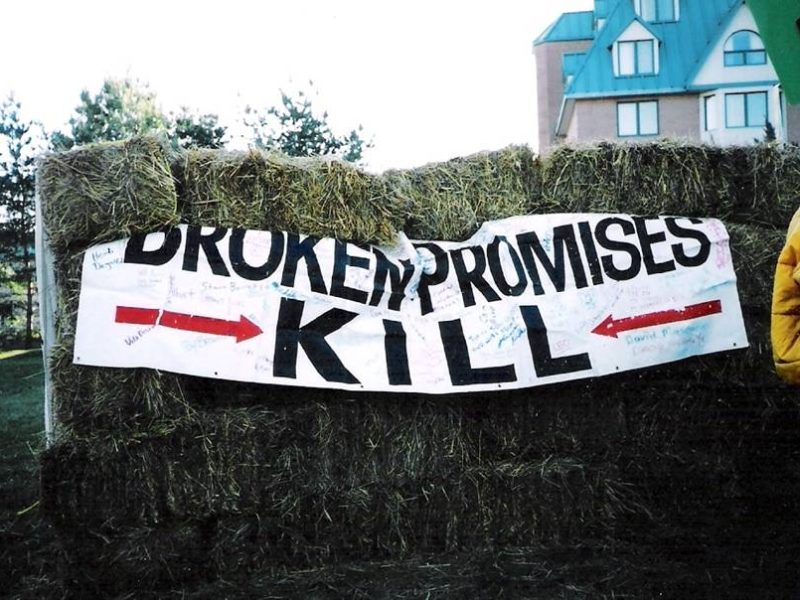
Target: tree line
(120,109)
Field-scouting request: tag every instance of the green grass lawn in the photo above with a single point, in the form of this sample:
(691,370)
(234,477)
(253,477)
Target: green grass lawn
(21,425)
(27,546)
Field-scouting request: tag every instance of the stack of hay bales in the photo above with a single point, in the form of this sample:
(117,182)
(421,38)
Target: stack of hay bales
(170,479)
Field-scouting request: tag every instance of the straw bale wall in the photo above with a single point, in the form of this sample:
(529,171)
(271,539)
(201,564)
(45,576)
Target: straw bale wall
(163,478)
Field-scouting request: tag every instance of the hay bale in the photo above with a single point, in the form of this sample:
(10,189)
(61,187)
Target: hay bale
(775,173)
(309,484)
(336,476)
(652,179)
(755,253)
(755,185)
(450,200)
(106,191)
(316,196)
(104,562)
(92,399)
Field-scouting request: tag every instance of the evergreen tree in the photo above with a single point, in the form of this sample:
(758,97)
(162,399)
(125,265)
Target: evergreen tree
(295,129)
(121,109)
(190,130)
(124,108)
(20,142)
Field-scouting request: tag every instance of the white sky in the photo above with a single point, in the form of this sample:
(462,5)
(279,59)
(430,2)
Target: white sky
(428,80)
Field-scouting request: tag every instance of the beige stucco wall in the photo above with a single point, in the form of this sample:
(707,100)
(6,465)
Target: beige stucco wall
(593,120)
(679,117)
(793,123)
(550,87)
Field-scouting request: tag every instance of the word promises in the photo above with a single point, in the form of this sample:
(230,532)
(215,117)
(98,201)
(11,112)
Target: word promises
(526,301)
(581,254)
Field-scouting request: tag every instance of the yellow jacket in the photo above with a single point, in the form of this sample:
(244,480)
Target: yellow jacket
(785,327)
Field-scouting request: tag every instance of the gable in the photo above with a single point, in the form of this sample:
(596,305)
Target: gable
(640,42)
(712,72)
(636,31)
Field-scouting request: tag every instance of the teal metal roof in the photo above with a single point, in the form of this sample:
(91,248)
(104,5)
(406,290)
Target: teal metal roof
(603,7)
(571,63)
(572,26)
(684,44)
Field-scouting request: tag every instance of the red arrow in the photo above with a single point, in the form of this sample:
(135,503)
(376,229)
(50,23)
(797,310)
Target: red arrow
(611,327)
(242,330)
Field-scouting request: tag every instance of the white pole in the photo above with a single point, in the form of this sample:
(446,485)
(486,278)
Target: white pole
(46,286)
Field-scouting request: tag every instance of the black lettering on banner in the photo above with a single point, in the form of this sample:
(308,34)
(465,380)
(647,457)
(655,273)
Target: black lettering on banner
(564,240)
(396,353)
(587,239)
(311,336)
(296,251)
(682,232)
(467,279)
(526,241)
(646,241)
(435,278)
(135,252)
(383,268)
(195,239)
(342,260)
(458,360)
(543,362)
(496,267)
(247,271)
(607,260)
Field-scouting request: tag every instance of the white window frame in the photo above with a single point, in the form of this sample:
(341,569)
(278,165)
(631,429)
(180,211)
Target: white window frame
(636,45)
(676,11)
(638,108)
(744,53)
(745,96)
(710,109)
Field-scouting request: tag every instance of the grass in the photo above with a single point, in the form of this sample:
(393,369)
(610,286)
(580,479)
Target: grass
(21,423)
(27,544)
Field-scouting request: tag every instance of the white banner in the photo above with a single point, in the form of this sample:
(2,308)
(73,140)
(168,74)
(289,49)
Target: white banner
(526,301)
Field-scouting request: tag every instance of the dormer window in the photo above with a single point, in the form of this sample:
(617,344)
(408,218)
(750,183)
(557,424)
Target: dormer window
(744,48)
(635,52)
(635,57)
(657,11)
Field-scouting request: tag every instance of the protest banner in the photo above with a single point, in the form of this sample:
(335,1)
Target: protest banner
(526,301)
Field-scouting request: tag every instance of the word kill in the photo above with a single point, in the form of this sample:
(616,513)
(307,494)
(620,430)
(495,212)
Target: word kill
(291,335)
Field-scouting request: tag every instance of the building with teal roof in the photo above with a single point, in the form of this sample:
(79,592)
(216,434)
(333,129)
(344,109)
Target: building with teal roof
(641,69)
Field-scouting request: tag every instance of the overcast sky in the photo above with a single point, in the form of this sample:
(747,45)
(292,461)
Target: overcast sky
(428,80)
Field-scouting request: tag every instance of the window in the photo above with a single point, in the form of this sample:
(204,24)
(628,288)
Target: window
(637,118)
(744,48)
(746,110)
(635,58)
(570,63)
(656,10)
(709,113)
(782,109)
